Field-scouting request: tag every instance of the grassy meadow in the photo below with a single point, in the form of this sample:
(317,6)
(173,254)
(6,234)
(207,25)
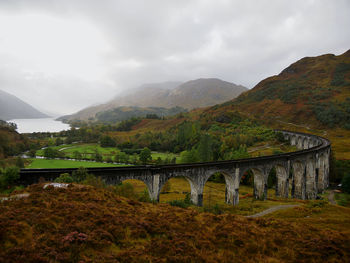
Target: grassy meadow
(53,163)
(88,150)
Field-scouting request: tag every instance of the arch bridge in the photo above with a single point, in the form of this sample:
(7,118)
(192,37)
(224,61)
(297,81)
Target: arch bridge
(305,170)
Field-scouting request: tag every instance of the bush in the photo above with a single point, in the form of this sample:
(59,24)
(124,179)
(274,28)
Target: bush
(52,153)
(9,177)
(215,209)
(182,203)
(280,137)
(64,178)
(144,197)
(107,141)
(342,199)
(80,174)
(19,162)
(127,190)
(345,183)
(94,181)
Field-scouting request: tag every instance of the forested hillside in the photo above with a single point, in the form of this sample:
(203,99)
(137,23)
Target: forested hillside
(124,113)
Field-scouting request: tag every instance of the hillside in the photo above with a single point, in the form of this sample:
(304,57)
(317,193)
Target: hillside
(189,95)
(12,107)
(313,91)
(85,224)
(127,112)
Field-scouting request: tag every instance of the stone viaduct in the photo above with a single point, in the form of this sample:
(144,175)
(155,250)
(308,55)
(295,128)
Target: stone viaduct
(306,171)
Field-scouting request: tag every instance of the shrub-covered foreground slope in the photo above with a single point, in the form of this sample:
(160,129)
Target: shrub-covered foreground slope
(85,224)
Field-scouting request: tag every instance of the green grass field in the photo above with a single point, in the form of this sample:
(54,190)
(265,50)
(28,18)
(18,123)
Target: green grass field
(50,163)
(88,151)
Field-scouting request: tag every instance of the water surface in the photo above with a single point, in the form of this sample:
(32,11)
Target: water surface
(39,125)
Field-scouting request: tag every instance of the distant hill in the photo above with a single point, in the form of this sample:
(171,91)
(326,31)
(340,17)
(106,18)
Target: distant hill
(127,112)
(313,91)
(12,107)
(189,95)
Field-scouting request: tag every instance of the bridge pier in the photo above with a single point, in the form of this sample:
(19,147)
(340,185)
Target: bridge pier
(154,188)
(196,192)
(299,180)
(282,187)
(311,189)
(232,185)
(260,184)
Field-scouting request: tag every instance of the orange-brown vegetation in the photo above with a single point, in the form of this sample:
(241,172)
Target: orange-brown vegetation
(85,224)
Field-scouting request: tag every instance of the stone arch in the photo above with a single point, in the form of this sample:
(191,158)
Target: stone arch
(172,184)
(271,179)
(194,178)
(145,183)
(299,179)
(259,180)
(311,186)
(230,185)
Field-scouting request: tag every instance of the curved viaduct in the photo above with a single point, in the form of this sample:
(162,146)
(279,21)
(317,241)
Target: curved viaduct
(306,170)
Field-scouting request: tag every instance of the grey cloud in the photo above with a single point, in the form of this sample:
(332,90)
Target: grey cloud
(238,41)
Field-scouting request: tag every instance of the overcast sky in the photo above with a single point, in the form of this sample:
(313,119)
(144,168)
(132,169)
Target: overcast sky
(63,55)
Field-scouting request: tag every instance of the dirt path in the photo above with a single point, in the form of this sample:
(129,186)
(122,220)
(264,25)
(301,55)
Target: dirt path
(271,210)
(267,146)
(65,148)
(259,148)
(331,198)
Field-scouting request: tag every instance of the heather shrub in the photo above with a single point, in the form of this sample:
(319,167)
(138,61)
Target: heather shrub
(64,178)
(8,177)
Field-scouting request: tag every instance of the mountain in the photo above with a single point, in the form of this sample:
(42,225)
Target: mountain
(189,95)
(12,107)
(313,91)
